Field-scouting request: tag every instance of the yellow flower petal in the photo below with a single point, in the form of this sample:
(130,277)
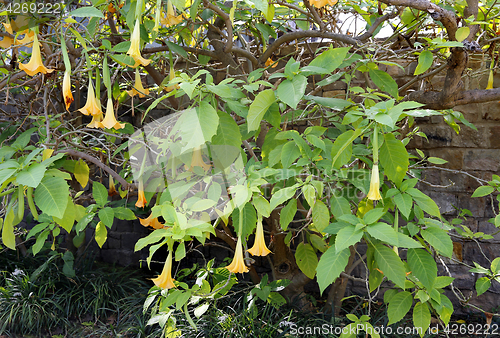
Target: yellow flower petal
(110,121)
(197,161)
(238,263)
(374,193)
(96,121)
(134,50)
(92,107)
(165,280)
(35,65)
(138,89)
(66,88)
(141,198)
(259,247)
(151,222)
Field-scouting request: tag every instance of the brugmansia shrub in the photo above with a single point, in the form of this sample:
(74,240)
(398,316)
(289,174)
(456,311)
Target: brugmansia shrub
(247,148)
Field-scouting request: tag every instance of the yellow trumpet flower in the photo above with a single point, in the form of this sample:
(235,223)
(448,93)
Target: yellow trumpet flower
(165,280)
(151,222)
(28,37)
(35,65)
(171,76)
(110,120)
(171,19)
(259,247)
(238,263)
(374,193)
(323,3)
(197,161)
(66,88)
(138,89)
(92,107)
(134,50)
(96,121)
(141,199)
(112,189)
(7,41)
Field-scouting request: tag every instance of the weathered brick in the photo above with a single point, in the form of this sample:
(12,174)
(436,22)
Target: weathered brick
(438,136)
(491,111)
(470,138)
(472,112)
(476,205)
(445,202)
(452,155)
(494,137)
(482,159)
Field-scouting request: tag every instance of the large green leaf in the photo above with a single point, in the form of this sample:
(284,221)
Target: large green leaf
(289,154)
(107,215)
(347,236)
(330,266)
(439,239)
(320,215)
(399,305)
(330,102)
(339,206)
(198,125)
(32,176)
(390,264)
(306,258)
(262,205)
(423,266)
(424,62)
(68,219)
(394,158)
(100,193)
(342,149)
(51,196)
(87,12)
(424,202)
(248,222)
(404,203)
(384,81)
(292,91)
(258,108)
(384,232)
(8,237)
(421,318)
(281,196)
(288,213)
(330,59)
(482,285)
(228,132)
(483,191)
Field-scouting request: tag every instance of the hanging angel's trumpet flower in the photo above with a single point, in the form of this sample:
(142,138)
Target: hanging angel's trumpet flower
(171,19)
(96,121)
(259,247)
(35,65)
(92,107)
(28,38)
(151,222)
(110,120)
(138,89)
(135,42)
(112,189)
(66,88)
(7,41)
(165,280)
(171,76)
(141,199)
(238,263)
(374,193)
(197,161)
(323,3)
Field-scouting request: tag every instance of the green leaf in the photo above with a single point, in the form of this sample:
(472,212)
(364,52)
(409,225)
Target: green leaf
(482,285)
(40,241)
(281,196)
(122,47)
(101,234)
(384,81)
(100,193)
(320,215)
(248,222)
(404,203)
(330,102)
(346,237)
(177,49)
(330,59)
(421,318)
(309,194)
(339,206)
(399,306)
(124,213)
(424,202)
(107,216)
(32,176)
(228,132)
(198,125)
(483,191)
(439,239)
(87,12)
(8,237)
(289,154)
(258,108)
(442,281)
(68,219)
(384,232)
(51,196)
(436,160)
(82,172)
(462,33)
(342,149)
(330,266)
(288,213)
(292,91)
(22,140)
(262,205)
(394,158)
(424,62)
(373,215)
(423,266)
(390,264)
(306,258)
(407,242)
